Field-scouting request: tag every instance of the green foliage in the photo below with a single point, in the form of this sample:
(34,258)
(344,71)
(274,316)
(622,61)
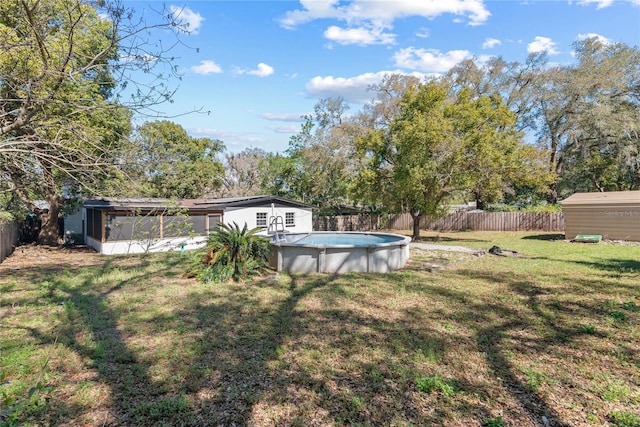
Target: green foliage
(14,408)
(435,383)
(494,422)
(318,164)
(615,391)
(168,163)
(6,217)
(617,315)
(536,207)
(163,410)
(233,253)
(624,419)
(442,143)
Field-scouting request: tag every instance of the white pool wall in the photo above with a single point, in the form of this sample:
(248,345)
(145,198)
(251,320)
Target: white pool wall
(376,258)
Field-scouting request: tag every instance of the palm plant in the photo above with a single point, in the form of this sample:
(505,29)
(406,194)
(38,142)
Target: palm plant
(234,252)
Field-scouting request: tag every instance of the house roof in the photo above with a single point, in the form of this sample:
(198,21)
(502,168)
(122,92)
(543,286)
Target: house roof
(251,201)
(603,198)
(191,204)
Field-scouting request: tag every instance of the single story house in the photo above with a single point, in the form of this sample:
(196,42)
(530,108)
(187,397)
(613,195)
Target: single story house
(613,215)
(119,226)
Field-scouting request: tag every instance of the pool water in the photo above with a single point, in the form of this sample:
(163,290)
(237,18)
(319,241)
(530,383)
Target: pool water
(340,239)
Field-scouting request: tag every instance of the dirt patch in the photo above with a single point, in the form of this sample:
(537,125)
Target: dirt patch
(434,260)
(61,258)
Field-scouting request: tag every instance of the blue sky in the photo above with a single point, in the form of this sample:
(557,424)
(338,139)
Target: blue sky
(257,66)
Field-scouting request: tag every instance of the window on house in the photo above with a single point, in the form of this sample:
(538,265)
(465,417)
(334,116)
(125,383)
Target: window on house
(214,222)
(289,219)
(261,219)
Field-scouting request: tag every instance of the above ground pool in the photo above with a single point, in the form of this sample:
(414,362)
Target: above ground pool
(338,252)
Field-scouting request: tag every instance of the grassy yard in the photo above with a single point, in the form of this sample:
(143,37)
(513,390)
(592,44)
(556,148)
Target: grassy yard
(550,337)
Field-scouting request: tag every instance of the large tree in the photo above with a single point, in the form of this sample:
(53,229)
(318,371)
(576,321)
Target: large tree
(62,124)
(169,163)
(438,145)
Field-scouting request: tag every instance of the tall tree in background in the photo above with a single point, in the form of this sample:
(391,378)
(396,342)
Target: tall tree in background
(244,173)
(63,64)
(317,167)
(171,164)
(587,116)
(603,151)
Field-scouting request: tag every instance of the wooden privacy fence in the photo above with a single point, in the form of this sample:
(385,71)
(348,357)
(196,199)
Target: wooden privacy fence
(8,238)
(456,221)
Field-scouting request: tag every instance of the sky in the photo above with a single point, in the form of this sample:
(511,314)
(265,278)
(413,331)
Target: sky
(253,68)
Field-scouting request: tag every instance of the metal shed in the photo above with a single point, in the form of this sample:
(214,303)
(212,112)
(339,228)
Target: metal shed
(615,215)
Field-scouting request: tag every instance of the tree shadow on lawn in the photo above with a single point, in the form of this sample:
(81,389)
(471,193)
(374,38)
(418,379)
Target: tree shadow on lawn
(90,328)
(496,322)
(617,267)
(251,357)
(240,364)
(263,360)
(439,238)
(545,237)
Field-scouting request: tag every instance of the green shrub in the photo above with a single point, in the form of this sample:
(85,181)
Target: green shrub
(232,253)
(624,419)
(494,422)
(435,383)
(13,408)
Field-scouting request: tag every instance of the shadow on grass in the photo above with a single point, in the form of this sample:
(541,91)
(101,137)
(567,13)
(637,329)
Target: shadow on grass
(498,322)
(266,356)
(622,266)
(89,327)
(615,266)
(305,351)
(438,238)
(544,237)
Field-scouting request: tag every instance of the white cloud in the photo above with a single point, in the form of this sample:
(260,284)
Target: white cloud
(384,11)
(600,4)
(376,15)
(285,129)
(262,70)
(233,141)
(542,44)
(352,89)
(429,59)
(602,39)
(283,117)
(491,43)
(192,21)
(360,36)
(206,67)
(423,33)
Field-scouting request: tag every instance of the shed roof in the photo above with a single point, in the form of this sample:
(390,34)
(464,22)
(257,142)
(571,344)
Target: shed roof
(603,198)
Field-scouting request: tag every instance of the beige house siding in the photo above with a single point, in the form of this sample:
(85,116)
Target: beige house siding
(614,215)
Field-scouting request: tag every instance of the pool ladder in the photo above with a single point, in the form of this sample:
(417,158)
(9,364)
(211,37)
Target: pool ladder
(276,227)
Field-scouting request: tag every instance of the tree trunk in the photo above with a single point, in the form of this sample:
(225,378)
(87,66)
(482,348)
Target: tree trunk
(49,229)
(416,226)
(480,204)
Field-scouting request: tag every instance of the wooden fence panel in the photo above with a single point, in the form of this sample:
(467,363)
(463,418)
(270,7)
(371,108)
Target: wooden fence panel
(8,238)
(456,221)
